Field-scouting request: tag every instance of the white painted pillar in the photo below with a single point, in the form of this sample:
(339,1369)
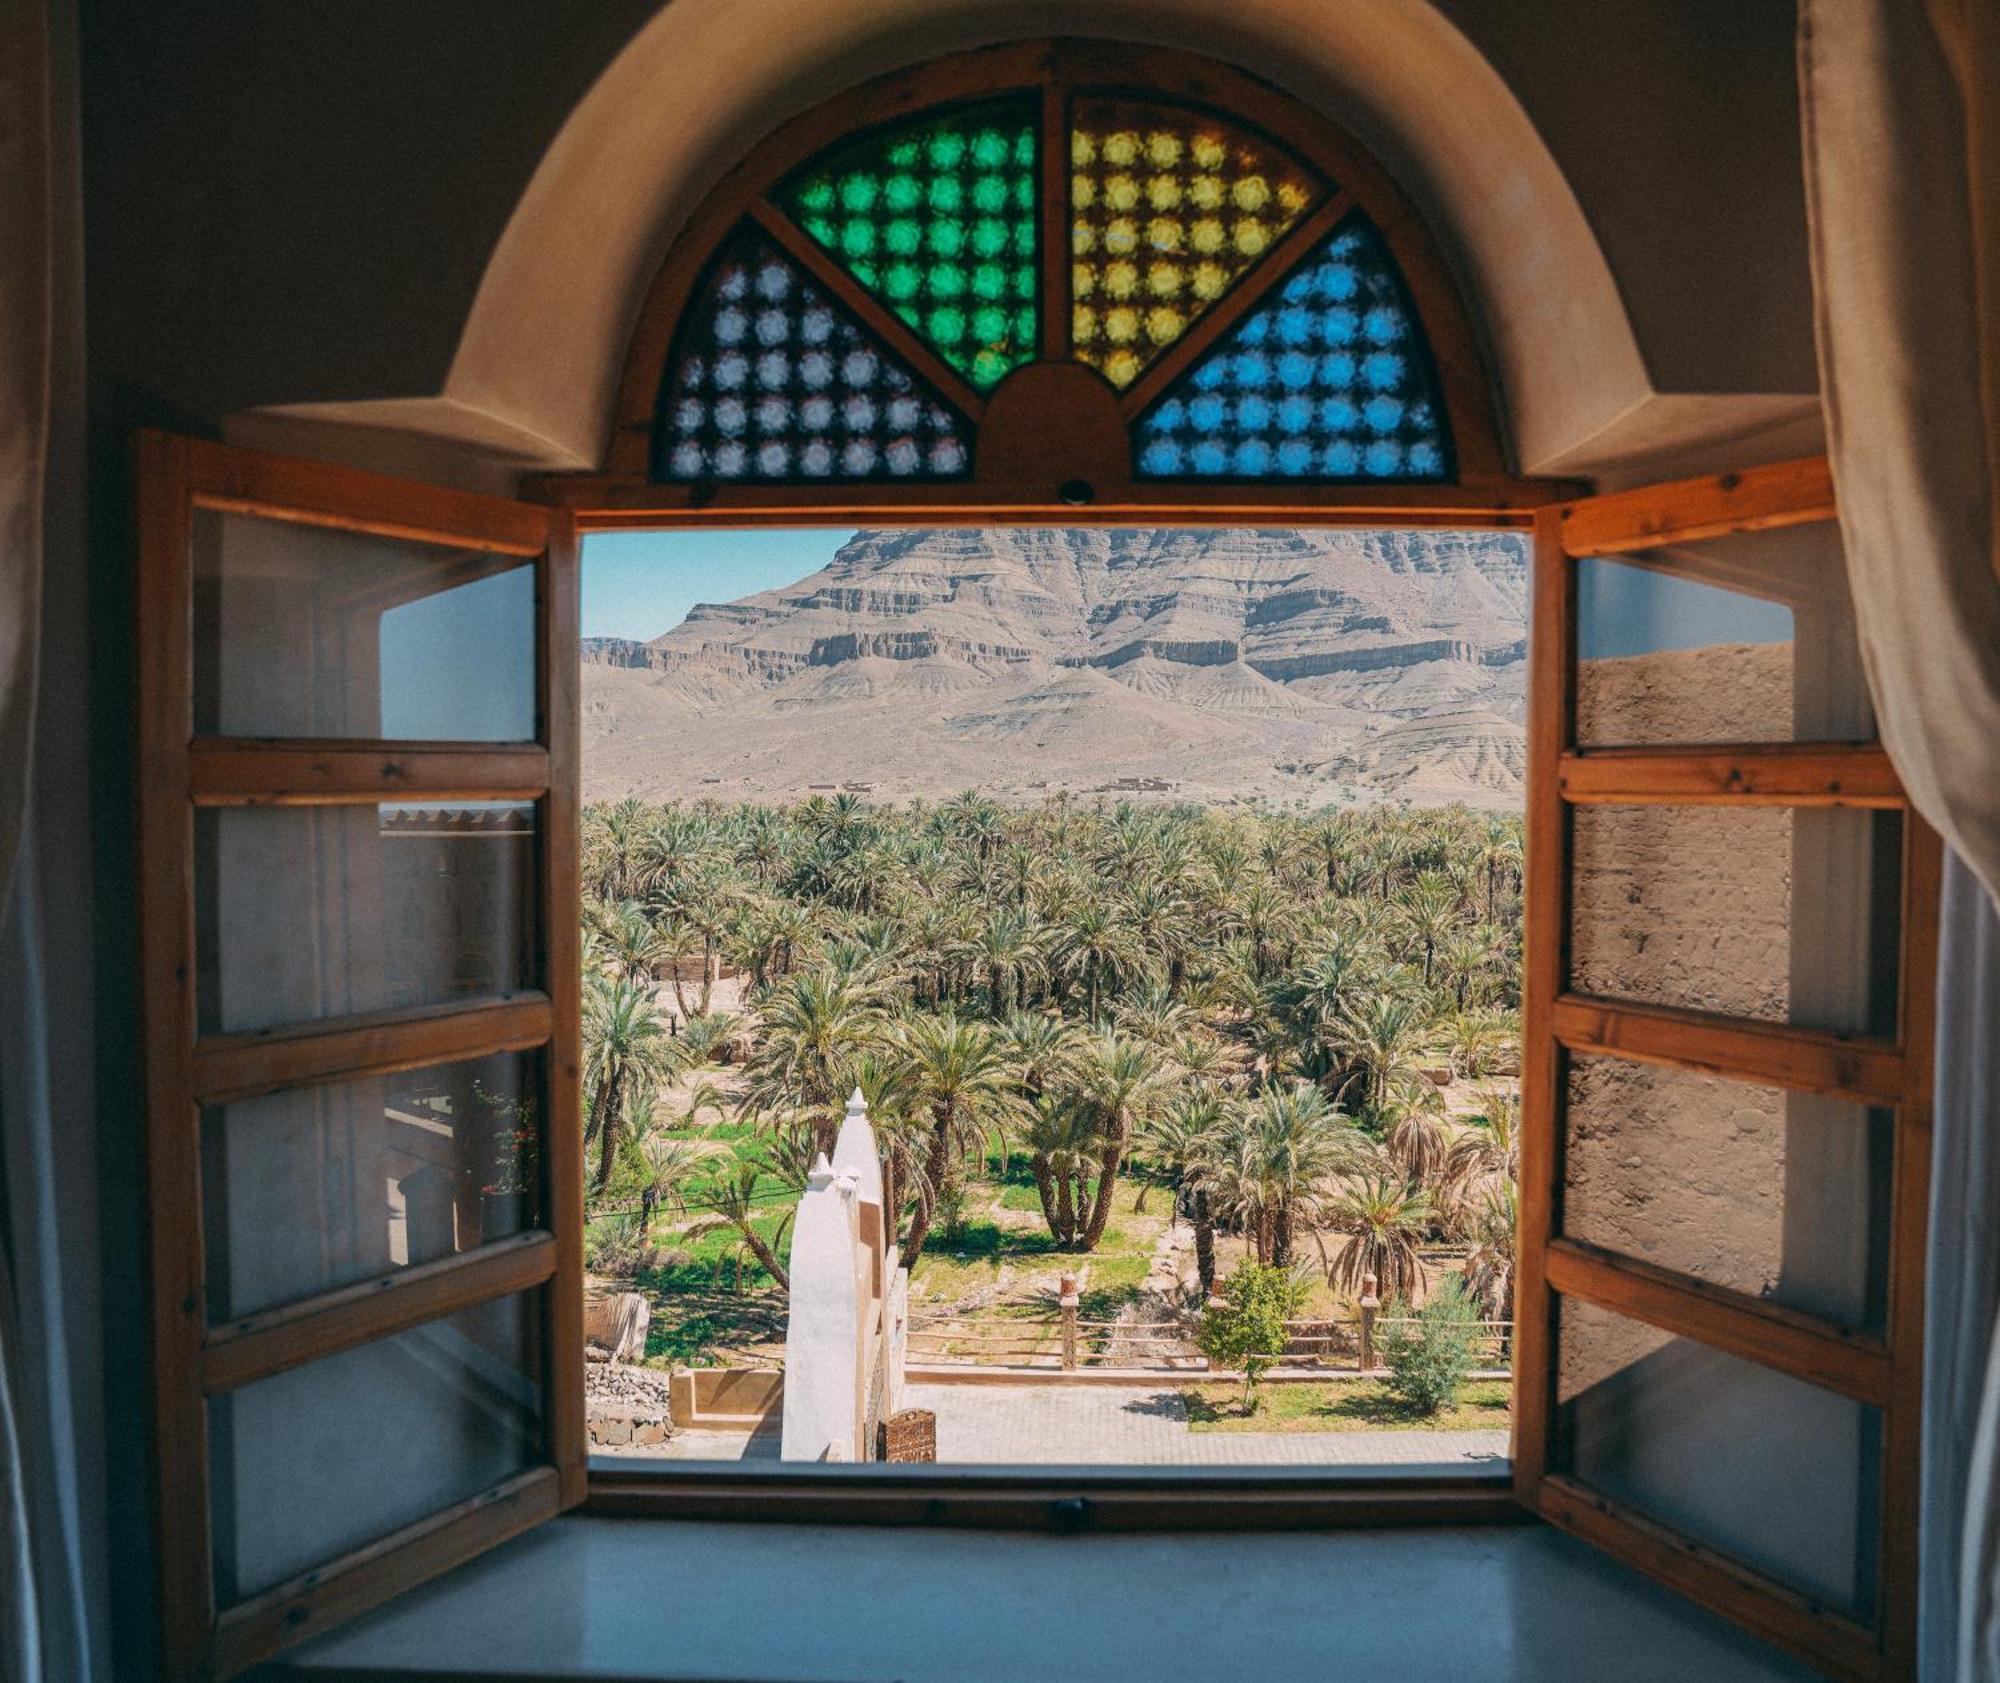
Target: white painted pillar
(823,1329)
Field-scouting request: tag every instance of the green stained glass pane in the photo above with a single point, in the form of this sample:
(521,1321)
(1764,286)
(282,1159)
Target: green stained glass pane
(936,218)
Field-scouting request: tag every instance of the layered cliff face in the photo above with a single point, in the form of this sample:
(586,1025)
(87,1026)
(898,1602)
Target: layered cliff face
(1321,666)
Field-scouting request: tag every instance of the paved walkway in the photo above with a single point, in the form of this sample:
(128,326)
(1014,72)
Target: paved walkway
(1116,1426)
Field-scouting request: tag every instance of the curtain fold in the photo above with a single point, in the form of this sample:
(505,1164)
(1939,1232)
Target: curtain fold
(1960,1623)
(1901,109)
(26,267)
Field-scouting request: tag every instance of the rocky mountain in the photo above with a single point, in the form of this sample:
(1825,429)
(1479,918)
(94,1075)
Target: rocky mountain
(1322,666)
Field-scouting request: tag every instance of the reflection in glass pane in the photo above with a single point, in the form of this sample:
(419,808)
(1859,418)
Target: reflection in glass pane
(304,913)
(1774,1194)
(1168,205)
(1780,1474)
(307,631)
(1756,644)
(313,1188)
(322,1459)
(1781,914)
(936,217)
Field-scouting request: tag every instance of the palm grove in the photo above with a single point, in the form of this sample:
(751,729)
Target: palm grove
(1251,1009)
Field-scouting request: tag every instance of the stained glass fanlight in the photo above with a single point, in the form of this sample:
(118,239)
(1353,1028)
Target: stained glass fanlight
(771,380)
(1169,206)
(937,218)
(891,300)
(1330,380)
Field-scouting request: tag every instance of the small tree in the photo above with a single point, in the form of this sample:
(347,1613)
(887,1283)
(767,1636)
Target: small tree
(1245,1326)
(1430,1351)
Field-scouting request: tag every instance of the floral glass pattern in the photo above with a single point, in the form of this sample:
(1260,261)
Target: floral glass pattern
(1169,206)
(771,380)
(1329,380)
(937,219)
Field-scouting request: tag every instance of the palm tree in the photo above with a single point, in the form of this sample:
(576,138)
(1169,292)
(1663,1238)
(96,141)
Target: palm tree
(1489,1265)
(1382,1217)
(667,1166)
(627,1053)
(1300,1142)
(812,1028)
(958,1073)
(1096,949)
(735,1199)
(1383,1034)
(1007,945)
(1121,1082)
(1183,1135)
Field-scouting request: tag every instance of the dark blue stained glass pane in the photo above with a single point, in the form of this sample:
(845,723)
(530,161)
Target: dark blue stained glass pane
(771,380)
(1330,379)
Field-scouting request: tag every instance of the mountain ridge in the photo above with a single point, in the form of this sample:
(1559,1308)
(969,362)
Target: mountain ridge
(1269,663)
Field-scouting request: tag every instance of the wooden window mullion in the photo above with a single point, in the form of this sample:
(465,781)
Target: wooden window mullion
(1249,293)
(883,323)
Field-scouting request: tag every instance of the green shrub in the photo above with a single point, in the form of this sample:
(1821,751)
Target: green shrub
(1431,1352)
(1245,1326)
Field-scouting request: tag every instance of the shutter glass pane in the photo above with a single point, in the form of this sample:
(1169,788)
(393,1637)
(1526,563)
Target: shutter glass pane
(1750,638)
(322,1459)
(770,380)
(1330,380)
(1168,206)
(1774,1194)
(1779,914)
(313,1188)
(937,218)
(303,913)
(303,630)
(1780,1474)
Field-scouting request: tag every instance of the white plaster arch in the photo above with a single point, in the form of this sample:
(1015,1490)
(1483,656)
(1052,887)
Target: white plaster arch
(536,370)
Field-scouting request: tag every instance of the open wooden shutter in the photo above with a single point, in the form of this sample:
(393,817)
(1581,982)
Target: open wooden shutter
(1732,918)
(357,834)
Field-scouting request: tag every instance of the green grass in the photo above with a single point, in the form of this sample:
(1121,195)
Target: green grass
(1341,1406)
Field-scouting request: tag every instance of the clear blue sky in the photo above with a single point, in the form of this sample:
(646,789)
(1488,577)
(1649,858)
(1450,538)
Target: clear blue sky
(639,584)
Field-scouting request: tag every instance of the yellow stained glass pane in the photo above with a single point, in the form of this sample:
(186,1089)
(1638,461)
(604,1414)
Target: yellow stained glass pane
(1169,206)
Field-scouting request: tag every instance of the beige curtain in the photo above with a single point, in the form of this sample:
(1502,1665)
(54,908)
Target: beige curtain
(1901,103)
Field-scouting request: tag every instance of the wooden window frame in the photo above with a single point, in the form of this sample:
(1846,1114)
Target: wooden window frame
(1894,1072)
(185,1069)
(1053,448)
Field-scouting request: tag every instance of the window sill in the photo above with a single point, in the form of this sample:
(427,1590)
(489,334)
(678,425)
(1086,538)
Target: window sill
(654,1601)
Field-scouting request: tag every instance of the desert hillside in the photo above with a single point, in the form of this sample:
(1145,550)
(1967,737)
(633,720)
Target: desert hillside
(1205,665)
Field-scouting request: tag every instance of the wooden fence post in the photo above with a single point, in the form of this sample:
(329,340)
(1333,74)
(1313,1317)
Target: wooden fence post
(1369,1304)
(1070,1301)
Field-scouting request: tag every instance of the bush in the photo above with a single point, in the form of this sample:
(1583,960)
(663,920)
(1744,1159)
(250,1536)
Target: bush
(1431,1352)
(1246,1327)
(614,1244)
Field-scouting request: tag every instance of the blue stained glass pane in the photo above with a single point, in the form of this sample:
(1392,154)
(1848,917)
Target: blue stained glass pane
(1329,378)
(769,380)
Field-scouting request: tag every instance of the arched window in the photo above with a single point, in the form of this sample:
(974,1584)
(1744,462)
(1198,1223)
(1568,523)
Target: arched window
(1053,274)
